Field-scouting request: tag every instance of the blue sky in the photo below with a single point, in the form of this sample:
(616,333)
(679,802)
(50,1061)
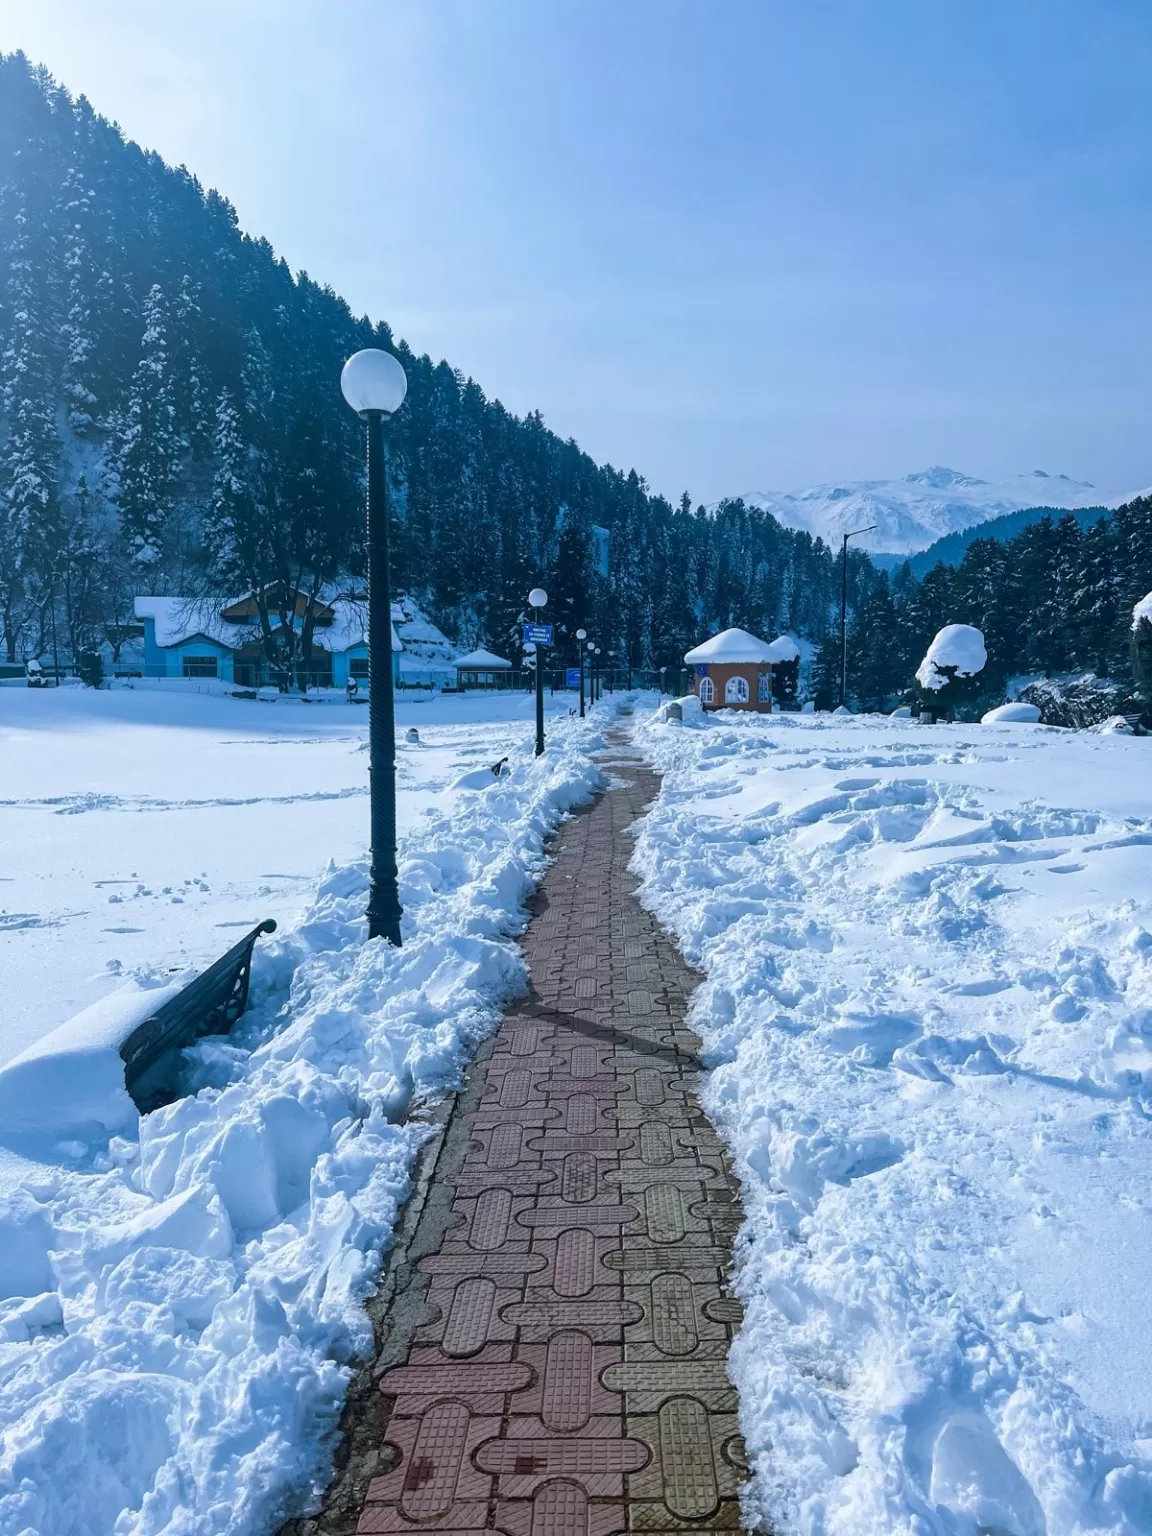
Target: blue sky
(739,244)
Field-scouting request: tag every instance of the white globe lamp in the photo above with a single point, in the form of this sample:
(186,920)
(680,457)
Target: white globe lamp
(373,380)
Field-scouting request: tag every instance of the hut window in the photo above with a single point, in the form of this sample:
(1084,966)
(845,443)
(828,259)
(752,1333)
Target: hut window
(200,666)
(707,691)
(737,691)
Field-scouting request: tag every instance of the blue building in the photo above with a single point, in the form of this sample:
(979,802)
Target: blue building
(193,638)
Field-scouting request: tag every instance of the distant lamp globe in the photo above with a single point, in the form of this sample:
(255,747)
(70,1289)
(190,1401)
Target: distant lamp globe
(581,634)
(373,380)
(538,597)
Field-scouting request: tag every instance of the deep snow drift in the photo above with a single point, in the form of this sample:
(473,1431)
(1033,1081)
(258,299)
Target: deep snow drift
(177,1308)
(929,1010)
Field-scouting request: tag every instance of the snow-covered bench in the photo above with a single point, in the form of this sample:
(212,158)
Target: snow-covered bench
(93,1075)
(208,1005)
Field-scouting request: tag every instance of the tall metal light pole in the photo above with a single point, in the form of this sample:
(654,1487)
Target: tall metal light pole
(581,636)
(844,606)
(374,385)
(537,598)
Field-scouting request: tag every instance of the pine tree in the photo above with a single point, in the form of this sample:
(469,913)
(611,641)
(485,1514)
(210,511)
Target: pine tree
(147,454)
(80,362)
(29,455)
(1142,659)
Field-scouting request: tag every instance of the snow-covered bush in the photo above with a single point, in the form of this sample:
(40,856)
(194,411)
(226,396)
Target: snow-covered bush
(1079,703)
(947,678)
(1013,713)
(1142,649)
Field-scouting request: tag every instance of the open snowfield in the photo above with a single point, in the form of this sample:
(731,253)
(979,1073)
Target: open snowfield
(178,1304)
(147,828)
(929,1010)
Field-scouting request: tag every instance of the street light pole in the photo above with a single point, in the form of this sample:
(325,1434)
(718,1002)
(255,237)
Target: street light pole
(537,599)
(581,636)
(844,606)
(374,385)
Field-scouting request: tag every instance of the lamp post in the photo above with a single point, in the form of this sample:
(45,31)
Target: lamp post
(581,636)
(597,680)
(374,385)
(662,672)
(537,599)
(844,605)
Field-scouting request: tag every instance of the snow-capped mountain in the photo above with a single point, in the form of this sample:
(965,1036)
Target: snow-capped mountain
(912,513)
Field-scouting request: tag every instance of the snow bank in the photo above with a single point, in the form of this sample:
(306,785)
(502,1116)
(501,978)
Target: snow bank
(928,1014)
(72,1081)
(956,645)
(1142,610)
(181,1312)
(1015,713)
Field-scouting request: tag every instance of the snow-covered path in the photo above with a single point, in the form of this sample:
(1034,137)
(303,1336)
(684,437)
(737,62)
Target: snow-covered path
(929,1010)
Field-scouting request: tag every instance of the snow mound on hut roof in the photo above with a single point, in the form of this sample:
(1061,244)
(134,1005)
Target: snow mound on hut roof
(784,648)
(481,660)
(1142,610)
(732,645)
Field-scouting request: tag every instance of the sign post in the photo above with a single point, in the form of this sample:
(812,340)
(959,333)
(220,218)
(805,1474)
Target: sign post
(537,636)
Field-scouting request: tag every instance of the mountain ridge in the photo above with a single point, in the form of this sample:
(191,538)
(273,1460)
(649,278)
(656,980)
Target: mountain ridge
(914,512)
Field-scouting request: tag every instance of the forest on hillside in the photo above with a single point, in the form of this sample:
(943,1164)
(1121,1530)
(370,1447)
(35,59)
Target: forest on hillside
(171,422)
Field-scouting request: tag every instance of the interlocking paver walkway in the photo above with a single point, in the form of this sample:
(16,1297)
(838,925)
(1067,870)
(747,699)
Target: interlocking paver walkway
(557,1328)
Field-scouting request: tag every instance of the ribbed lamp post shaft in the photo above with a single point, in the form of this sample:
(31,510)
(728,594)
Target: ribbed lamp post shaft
(384,908)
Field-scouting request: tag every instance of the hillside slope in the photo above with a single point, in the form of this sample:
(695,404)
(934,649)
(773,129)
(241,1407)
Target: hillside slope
(950,549)
(171,418)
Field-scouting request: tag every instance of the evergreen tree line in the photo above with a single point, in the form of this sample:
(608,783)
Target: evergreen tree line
(171,421)
(1055,599)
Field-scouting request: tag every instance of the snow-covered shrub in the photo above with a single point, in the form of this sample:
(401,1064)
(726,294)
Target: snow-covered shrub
(948,677)
(1142,649)
(1013,713)
(1078,703)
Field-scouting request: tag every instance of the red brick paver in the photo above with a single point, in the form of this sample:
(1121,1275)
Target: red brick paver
(557,1331)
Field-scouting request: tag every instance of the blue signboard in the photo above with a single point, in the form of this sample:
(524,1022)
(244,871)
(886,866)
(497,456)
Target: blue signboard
(538,634)
(572,677)
(701,669)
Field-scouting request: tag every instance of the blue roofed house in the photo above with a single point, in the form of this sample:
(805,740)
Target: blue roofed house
(197,638)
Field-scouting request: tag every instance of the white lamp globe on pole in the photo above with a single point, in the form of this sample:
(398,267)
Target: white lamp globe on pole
(374,385)
(538,597)
(372,380)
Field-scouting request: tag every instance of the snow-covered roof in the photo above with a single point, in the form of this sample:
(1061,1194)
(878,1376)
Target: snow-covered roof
(181,618)
(481,661)
(1142,610)
(349,627)
(784,648)
(732,645)
(956,645)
